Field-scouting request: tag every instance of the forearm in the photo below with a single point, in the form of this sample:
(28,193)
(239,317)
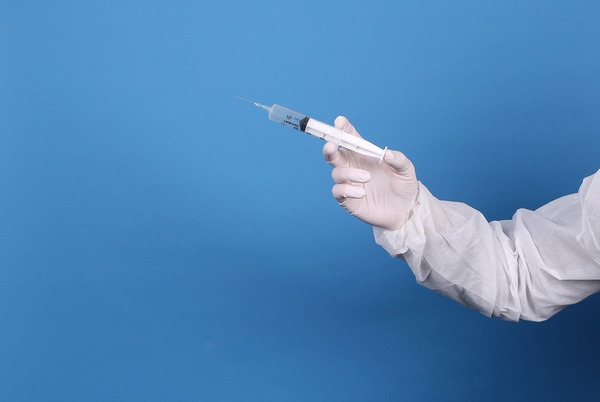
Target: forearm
(441,242)
(527,268)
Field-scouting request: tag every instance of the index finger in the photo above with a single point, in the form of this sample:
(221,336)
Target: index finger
(333,156)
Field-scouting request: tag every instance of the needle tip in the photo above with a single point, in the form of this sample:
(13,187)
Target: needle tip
(267,108)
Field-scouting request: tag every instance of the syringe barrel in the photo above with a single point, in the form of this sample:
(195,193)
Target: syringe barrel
(343,139)
(288,117)
(301,122)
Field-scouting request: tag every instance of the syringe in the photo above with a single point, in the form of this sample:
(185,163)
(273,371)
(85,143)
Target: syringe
(301,122)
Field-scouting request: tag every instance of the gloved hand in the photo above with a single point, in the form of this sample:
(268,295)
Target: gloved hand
(379,193)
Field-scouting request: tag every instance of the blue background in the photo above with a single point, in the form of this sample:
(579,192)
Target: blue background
(161,240)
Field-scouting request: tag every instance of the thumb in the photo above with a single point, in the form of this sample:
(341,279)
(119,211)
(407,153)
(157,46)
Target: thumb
(398,162)
(342,123)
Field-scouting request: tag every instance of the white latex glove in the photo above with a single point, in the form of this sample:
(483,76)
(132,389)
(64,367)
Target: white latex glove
(379,193)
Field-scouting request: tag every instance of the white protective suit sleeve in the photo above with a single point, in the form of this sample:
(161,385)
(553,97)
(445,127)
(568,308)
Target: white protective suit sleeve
(527,268)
